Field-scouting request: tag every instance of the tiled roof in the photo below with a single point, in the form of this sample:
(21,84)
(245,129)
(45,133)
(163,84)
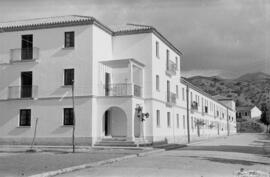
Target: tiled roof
(45,21)
(70,20)
(129,27)
(244,108)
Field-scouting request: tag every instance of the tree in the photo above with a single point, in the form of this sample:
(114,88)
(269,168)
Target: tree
(199,123)
(265,118)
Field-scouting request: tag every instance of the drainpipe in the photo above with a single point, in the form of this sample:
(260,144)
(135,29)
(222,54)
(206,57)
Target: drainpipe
(187,99)
(228,124)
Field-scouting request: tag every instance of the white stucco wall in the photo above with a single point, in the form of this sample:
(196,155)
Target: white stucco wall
(255,113)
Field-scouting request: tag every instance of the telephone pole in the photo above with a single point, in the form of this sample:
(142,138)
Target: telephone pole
(73,128)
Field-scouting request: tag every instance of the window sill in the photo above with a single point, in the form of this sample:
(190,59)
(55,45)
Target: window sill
(68,126)
(66,86)
(68,48)
(24,126)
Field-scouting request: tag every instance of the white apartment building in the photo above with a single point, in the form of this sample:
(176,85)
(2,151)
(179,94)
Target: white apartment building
(113,71)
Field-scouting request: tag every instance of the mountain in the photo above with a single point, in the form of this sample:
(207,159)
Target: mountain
(247,90)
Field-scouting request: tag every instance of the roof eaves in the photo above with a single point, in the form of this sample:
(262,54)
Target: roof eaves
(184,81)
(46,25)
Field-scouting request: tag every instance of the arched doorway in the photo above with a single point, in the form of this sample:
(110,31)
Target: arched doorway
(114,122)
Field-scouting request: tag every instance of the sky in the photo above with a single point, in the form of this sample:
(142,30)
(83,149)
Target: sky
(226,38)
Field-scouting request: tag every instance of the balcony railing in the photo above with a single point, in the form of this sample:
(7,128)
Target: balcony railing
(171,98)
(17,92)
(171,68)
(194,105)
(24,54)
(123,89)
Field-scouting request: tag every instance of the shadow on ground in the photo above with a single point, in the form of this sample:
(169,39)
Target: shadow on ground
(227,148)
(229,161)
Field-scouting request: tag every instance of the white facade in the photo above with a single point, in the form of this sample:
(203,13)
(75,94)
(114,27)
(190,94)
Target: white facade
(114,72)
(249,112)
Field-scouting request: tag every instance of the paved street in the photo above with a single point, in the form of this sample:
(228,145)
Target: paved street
(216,158)
(16,162)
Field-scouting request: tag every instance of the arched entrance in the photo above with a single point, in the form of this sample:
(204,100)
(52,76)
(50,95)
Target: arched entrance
(114,122)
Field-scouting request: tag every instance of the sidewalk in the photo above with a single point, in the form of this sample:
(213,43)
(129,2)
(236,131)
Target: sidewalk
(15,161)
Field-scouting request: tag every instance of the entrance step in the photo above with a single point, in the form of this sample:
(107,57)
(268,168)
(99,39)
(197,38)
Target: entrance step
(119,142)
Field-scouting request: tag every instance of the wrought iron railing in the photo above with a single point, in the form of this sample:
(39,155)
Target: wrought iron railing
(171,67)
(194,105)
(24,54)
(123,89)
(171,98)
(27,91)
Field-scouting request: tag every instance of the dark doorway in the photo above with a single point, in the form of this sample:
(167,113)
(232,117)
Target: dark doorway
(27,47)
(26,84)
(107,123)
(107,83)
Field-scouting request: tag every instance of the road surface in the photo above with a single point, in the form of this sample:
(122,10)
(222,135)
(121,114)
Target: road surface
(213,158)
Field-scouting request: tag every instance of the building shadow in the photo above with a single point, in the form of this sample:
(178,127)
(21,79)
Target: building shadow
(230,161)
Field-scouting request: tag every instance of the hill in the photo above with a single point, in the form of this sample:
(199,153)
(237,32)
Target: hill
(247,90)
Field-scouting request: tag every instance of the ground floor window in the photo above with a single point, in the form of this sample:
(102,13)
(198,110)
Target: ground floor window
(177,121)
(184,122)
(68,116)
(25,117)
(158,118)
(168,119)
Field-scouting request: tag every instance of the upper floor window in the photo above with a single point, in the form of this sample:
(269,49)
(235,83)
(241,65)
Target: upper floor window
(176,62)
(157,82)
(68,116)
(183,94)
(157,49)
(25,117)
(69,39)
(69,76)
(167,59)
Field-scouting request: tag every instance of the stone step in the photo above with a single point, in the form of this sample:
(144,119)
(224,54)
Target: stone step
(113,139)
(123,144)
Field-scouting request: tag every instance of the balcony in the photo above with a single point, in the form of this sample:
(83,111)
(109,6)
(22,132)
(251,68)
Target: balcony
(194,106)
(171,68)
(24,54)
(171,99)
(122,77)
(22,92)
(123,89)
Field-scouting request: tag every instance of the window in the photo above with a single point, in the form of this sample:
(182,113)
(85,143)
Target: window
(157,49)
(177,94)
(184,122)
(246,113)
(158,118)
(177,121)
(192,123)
(68,116)
(69,39)
(69,76)
(183,94)
(157,82)
(168,119)
(25,117)
(167,59)
(176,62)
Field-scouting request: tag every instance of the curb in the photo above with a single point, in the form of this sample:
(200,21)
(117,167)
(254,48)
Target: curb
(94,164)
